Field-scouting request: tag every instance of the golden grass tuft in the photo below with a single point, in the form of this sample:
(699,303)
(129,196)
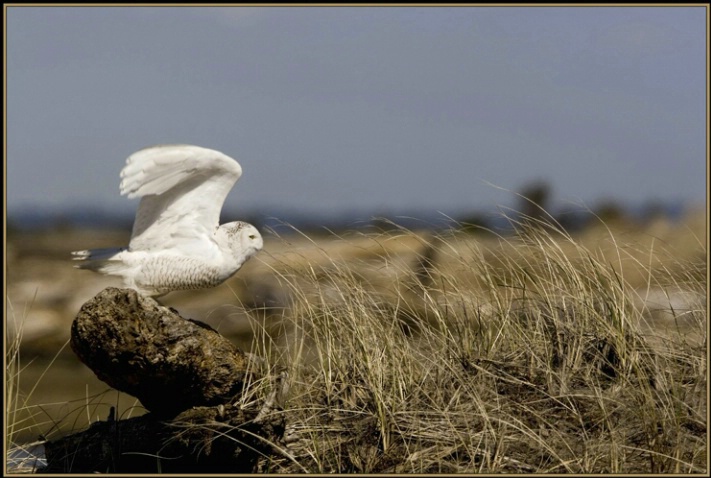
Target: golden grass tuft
(530,353)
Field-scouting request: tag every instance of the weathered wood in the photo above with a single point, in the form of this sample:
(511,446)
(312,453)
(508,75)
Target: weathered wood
(148,351)
(187,375)
(200,440)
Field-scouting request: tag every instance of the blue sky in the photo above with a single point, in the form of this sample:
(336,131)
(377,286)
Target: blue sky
(361,108)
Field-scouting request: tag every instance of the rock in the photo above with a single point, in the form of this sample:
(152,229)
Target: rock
(147,350)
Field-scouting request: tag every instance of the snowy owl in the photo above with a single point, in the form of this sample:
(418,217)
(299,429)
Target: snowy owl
(177,242)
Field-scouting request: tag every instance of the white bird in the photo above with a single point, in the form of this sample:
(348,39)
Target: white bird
(177,242)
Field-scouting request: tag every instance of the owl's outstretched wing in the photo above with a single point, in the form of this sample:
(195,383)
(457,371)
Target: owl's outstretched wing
(182,190)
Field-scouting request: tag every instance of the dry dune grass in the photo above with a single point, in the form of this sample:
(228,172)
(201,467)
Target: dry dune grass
(537,352)
(532,353)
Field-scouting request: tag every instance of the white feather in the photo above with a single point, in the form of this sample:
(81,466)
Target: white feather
(176,235)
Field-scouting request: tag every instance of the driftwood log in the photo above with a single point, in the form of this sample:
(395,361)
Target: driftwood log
(186,375)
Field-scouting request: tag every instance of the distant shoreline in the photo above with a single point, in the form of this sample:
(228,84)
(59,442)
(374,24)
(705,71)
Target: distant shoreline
(28,219)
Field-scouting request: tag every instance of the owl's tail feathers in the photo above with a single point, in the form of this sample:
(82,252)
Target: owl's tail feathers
(105,261)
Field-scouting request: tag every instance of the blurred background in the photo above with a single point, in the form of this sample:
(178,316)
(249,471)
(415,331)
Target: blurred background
(431,117)
(346,112)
